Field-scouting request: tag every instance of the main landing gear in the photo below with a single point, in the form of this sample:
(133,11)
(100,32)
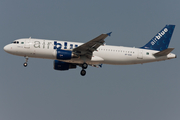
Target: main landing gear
(25,64)
(84,66)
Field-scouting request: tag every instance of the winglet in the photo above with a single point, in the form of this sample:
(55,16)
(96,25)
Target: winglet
(109,34)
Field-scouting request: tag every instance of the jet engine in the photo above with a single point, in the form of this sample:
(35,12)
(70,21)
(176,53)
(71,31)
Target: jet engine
(59,65)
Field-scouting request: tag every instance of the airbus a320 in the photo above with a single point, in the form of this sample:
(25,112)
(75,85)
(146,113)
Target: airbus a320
(69,55)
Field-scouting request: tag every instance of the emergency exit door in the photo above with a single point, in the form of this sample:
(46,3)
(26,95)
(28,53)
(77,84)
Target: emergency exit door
(27,43)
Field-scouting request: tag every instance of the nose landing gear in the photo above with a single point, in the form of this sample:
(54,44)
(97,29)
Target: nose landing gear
(25,64)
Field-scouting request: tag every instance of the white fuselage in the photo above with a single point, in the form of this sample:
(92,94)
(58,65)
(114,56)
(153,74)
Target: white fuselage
(105,54)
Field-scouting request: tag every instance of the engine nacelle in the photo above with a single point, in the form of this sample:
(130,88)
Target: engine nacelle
(58,65)
(65,55)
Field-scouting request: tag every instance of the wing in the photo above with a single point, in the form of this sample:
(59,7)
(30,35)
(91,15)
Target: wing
(88,48)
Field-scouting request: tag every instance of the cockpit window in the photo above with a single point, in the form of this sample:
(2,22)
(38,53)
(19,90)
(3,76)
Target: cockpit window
(15,42)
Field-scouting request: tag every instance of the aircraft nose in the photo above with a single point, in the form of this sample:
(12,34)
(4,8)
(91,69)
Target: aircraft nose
(7,48)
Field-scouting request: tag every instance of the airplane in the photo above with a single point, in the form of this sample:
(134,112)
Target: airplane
(69,55)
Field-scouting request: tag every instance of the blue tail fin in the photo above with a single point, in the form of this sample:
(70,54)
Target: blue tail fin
(161,40)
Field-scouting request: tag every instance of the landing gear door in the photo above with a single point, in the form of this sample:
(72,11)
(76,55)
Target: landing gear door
(27,43)
(140,54)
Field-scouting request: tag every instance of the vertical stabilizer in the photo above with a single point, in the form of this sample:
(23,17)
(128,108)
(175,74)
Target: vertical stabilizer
(161,40)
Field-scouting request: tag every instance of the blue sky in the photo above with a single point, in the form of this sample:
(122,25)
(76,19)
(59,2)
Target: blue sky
(132,92)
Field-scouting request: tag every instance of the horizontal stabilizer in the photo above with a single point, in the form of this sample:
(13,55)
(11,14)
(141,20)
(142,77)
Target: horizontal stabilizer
(164,52)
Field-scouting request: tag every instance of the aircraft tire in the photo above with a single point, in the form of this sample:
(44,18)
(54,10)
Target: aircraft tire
(84,65)
(25,64)
(83,72)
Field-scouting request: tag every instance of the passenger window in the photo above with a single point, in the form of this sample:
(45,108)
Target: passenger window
(22,42)
(147,53)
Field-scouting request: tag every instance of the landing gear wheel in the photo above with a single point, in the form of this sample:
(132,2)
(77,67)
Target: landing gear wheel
(83,72)
(25,64)
(84,65)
